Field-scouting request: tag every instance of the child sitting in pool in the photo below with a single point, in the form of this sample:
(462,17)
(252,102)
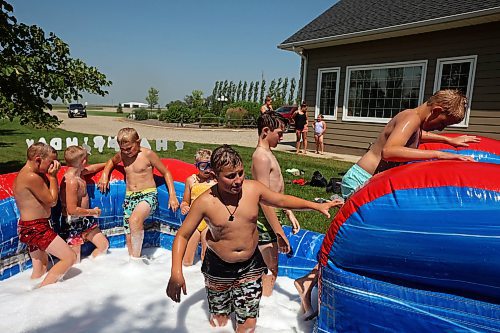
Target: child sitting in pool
(77,219)
(233,266)
(36,191)
(141,197)
(196,184)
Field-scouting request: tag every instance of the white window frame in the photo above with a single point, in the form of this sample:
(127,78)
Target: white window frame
(318,92)
(349,69)
(472,59)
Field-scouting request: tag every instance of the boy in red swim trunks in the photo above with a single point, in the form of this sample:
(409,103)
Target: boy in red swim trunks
(34,200)
(77,219)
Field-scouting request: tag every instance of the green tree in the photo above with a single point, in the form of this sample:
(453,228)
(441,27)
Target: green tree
(284,88)
(244,92)
(34,67)
(153,97)
(250,91)
(238,91)
(292,91)
(255,91)
(195,100)
(272,89)
(262,90)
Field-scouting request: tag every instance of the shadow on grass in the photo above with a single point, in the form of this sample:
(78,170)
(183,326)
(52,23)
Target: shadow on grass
(11,166)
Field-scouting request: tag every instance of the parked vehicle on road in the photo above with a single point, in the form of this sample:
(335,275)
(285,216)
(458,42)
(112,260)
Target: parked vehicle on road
(77,110)
(287,112)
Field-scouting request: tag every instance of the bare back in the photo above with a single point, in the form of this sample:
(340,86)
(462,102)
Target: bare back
(30,207)
(372,161)
(139,171)
(82,196)
(233,241)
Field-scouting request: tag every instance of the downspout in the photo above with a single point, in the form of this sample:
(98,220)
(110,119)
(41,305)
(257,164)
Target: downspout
(300,52)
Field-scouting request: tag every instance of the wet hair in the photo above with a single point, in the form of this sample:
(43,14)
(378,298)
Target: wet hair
(74,154)
(223,156)
(40,149)
(203,154)
(453,102)
(126,135)
(270,119)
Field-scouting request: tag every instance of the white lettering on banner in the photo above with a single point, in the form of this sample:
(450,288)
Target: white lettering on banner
(29,142)
(42,139)
(179,145)
(72,141)
(145,143)
(113,143)
(86,146)
(161,144)
(56,143)
(99,143)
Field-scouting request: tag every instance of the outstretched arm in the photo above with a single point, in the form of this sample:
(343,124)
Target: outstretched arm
(173,203)
(93,168)
(103,184)
(176,282)
(458,141)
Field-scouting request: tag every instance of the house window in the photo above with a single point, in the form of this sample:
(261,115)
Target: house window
(376,93)
(457,73)
(327,92)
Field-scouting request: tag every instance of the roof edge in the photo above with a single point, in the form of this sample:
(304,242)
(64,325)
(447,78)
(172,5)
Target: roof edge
(464,19)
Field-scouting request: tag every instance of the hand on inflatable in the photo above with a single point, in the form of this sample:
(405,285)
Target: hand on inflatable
(464,140)
(450,156)
(173,203)
(175,284)
(97,211)
(324,208)
(103,184)
(185,209)
(283,244)
(54,168)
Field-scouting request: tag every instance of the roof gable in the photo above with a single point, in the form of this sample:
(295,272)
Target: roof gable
(349,17)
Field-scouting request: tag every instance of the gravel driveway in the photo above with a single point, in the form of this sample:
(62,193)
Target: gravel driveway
(109,126)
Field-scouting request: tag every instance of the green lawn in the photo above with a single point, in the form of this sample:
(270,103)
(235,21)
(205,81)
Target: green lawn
(13,156)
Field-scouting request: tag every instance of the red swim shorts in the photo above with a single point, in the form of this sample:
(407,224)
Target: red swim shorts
(37,234)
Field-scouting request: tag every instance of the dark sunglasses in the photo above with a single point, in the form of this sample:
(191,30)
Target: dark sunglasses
(202,166)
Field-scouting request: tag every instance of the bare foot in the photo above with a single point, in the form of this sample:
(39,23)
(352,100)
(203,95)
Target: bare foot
(218,320)
(268,285)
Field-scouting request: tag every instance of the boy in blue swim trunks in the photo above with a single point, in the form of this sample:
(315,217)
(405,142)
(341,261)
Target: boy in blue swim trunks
(233,266)
(141,194)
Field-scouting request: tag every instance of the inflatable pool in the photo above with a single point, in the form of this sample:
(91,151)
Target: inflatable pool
(159,229)
(417,249)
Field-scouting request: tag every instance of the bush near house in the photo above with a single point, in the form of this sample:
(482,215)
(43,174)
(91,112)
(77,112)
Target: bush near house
(140,114)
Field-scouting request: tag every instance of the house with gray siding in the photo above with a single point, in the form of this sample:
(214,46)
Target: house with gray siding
(363,61)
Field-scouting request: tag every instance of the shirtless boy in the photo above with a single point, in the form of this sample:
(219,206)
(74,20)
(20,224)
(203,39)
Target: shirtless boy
(266,169)
(398,142)
(141,197)
(77,219)
(233,265)
(34,200)
(267,106)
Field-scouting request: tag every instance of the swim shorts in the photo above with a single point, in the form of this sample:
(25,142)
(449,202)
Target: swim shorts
(354,178)
(234,286)
(266,233)
(75,230)
(132,199)
(37,234)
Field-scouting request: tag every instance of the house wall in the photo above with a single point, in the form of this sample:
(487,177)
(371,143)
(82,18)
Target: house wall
(481,40)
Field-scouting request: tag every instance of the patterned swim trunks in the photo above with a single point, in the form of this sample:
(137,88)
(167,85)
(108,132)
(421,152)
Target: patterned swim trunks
(77,228)
(132,199)
(234,286)
(37,234)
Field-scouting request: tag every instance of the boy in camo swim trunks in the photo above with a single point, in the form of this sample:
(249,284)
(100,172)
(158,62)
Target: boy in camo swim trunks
(233,266)
(141,195)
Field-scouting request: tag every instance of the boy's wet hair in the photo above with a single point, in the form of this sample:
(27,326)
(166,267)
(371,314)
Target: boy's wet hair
(270,119)
(224,156)
(40,149)
(74,154)
(127,134)
(453,102)
(203,154)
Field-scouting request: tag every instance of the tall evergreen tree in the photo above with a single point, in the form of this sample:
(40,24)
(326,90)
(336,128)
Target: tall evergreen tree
(262,91)
(230,95)
(225,88)
(238,91)
(250,91)
(272,87)
(292,91)
(284,89)
(278,88)
(256,91)
(244,92)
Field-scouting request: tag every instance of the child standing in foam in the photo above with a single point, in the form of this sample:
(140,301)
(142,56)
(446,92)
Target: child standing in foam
(77,219)
(196,184)
(141,197)
(319,130)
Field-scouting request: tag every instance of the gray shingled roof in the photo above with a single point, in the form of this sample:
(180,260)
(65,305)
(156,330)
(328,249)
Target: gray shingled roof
(354,16)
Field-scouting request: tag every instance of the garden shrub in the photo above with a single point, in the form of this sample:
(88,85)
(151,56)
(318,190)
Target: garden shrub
(141,114)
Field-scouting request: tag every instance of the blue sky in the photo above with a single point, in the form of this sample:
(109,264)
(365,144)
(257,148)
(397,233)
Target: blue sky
(175,46)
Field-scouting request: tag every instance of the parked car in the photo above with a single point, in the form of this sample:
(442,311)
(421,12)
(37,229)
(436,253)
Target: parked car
(287,112)
(77,110)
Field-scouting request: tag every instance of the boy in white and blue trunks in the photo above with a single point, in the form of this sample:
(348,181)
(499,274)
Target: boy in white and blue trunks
(141,195)
(233,266)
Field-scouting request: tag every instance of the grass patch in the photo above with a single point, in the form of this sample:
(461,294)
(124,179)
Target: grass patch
(13,156)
